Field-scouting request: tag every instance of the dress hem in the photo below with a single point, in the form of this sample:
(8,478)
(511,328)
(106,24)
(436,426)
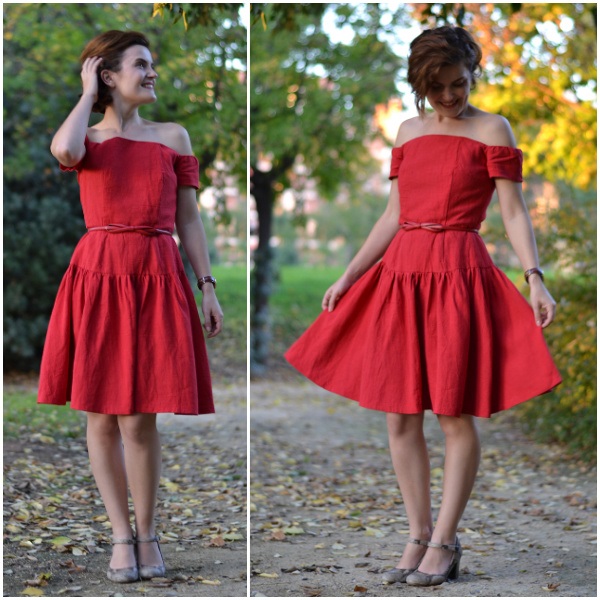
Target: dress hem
(507,406)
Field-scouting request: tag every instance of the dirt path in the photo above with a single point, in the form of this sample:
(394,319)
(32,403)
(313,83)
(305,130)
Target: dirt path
(56,532)
(326,517)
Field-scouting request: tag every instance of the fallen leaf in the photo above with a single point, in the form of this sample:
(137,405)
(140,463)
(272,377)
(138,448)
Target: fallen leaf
(217,541)
(41,580)
(32,591)
(269,575)
(312,592)
(293,530)
(60,541)
(551,587)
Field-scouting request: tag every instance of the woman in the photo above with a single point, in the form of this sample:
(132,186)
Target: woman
(125,340)
(435,325)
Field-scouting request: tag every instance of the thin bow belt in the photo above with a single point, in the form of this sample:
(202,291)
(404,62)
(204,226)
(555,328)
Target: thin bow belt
(118,228)
(435,227)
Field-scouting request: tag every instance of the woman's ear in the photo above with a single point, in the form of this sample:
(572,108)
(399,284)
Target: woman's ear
(106,77)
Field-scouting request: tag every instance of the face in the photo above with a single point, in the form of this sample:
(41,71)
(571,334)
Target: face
(135,80)
(448,93)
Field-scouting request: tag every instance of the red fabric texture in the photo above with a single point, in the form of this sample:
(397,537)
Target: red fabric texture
(125,336)
(434,325)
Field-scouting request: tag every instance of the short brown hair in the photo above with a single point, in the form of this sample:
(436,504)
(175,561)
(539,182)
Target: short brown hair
(437,48)
(110,46)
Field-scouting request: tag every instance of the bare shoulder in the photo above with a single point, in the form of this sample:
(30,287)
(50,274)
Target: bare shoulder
(409,129)
(175,136)
(495,130)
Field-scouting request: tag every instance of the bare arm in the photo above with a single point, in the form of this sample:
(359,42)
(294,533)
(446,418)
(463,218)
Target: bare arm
(520,232)
(193,238)
(68,142)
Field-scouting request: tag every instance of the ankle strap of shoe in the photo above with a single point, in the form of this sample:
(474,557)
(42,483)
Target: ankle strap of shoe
(147,540)
(418,542)
(451,547)
(129,541)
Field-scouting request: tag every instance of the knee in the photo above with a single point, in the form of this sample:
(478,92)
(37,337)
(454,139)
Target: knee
(463,426)
(99,425)
(138,429)
(401,426)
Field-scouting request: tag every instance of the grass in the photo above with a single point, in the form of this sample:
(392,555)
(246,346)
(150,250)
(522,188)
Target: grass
(296,303)
(23,415)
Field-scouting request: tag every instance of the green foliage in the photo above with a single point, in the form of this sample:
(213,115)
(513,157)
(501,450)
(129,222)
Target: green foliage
(314,98)
(193,14)
(284,16)
(541,74)
(568,414)
(312,101)
(201,85)
(23,417)
(41,226)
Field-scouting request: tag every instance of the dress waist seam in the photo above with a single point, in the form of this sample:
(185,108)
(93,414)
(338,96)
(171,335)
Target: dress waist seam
(120,228)
(435,227)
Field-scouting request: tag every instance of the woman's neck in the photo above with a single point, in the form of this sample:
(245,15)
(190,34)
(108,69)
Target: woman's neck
(120,120)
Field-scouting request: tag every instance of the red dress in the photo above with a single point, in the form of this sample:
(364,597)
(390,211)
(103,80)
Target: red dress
(125,336)
(435,324)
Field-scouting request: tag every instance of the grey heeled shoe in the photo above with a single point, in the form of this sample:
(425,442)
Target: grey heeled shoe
(425,579)
(399,575)
(127,574)
(150,571)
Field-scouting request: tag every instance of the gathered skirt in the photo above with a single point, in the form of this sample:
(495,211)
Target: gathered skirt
(125,336)
(435,325)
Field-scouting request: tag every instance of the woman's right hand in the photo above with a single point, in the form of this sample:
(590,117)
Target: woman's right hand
(335,292)
(89,76)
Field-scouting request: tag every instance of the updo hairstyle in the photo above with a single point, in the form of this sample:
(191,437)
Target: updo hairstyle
(437,48)
(110,46)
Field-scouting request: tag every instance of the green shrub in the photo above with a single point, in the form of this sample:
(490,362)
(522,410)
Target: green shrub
(42,224)
(568,414)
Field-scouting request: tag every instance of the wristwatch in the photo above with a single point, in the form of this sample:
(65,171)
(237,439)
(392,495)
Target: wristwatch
(207,279)
(532,271)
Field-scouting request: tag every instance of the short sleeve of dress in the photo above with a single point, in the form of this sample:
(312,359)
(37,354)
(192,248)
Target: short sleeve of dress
(397,154)
(505,162)
(186,169)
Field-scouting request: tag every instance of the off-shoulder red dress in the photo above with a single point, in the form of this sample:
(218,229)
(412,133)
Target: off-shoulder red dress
(125,336)
(434,325)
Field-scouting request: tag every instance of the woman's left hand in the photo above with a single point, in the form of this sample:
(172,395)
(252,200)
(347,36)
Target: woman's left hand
(544,306)
(213,315)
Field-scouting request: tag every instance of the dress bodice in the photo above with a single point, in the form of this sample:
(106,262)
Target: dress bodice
(131,182)
(449,179)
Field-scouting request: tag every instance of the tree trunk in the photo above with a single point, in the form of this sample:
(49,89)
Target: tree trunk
(262,276)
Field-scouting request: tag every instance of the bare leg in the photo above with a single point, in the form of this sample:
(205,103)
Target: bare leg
(460,469)
(106,459)
(411,465)
(143,462)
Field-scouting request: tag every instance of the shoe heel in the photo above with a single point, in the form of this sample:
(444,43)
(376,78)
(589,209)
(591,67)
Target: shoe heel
(454,570)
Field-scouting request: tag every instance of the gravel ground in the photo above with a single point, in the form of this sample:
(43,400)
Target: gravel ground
(50,497)
(327,518)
